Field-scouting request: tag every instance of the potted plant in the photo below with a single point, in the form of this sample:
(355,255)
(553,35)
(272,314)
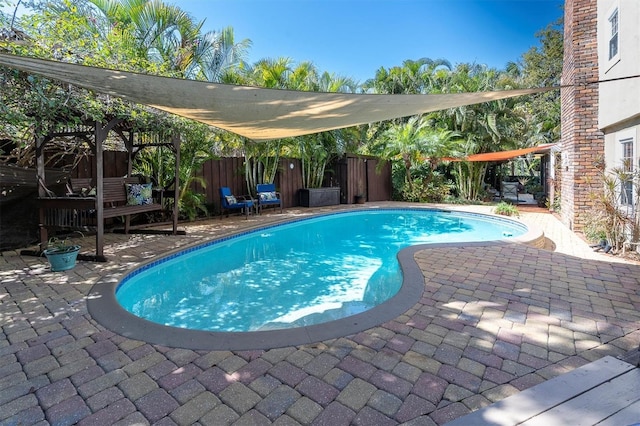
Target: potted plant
(316,151)
(61,255)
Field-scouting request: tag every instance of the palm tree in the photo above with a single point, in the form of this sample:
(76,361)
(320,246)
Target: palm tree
(169,37)
(220,54)
(413,77)
(161,33)
(486,127)
(412,143)
(271,73)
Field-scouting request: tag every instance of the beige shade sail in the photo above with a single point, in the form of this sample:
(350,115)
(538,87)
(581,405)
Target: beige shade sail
(256,113)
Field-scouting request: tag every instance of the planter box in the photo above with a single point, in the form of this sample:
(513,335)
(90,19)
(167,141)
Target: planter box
(318,197)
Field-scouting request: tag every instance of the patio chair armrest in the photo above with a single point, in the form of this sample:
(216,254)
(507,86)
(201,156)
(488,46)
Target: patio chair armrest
(244,198)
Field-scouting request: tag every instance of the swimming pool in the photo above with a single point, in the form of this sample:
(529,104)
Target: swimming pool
(298,274)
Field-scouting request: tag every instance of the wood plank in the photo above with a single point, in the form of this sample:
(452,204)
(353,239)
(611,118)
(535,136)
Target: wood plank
(595,405)
(629,415)
(543,397)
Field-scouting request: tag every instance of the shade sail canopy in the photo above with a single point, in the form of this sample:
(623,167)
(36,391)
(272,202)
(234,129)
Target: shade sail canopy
(256,113)
(505,155)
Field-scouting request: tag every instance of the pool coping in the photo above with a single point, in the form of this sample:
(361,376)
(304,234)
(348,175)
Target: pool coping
(103,306)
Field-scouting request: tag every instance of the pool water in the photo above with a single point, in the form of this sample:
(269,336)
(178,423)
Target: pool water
(307,272)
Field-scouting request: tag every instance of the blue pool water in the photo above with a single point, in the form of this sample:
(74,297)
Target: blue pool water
(307,272)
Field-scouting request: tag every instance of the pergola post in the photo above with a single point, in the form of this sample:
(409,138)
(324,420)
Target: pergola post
(128,142)
(40,171)
(101,133)
(99,136)
(175,141)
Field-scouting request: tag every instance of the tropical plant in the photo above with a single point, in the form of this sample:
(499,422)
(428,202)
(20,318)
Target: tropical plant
(160,33)
(469,178)
(61,254)
(261,161)
(486,127)
(413,77)
(316,150)
(198,145)
(314,155)
(220,56)
(413,145)
(62,245)
(431,186)
(616,206)
(405,143)
(506,209)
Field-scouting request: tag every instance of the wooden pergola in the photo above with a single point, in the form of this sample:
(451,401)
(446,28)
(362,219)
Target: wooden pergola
(95,133)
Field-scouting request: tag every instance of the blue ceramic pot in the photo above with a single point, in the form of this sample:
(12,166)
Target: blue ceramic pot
(62,259)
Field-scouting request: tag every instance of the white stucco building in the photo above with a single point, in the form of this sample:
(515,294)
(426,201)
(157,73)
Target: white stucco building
(619,90)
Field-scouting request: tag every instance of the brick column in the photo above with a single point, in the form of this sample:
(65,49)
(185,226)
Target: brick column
(582,144)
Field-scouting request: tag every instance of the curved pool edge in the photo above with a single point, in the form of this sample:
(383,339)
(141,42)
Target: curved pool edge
(534,237)
(103,307)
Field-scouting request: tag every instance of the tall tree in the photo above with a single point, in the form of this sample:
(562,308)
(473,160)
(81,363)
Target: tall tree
(543,67)
(485,127)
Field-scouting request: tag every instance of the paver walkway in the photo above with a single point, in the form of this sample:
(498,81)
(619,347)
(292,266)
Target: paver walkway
(493,320)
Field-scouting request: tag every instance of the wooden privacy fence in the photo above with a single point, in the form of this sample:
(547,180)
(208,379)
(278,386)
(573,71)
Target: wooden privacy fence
(354,175)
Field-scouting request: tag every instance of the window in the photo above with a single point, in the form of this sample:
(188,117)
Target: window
(613,41)
(626,188)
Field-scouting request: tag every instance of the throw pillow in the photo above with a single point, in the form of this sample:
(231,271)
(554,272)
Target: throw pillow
(267,196)
(139,194)
(231,199)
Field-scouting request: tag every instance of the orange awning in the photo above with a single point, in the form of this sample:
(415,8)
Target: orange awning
(505,155)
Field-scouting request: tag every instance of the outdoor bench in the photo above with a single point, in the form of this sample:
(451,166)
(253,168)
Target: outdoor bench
(77,209)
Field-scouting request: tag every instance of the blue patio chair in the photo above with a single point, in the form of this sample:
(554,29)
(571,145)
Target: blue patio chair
(268,196)
(230,202)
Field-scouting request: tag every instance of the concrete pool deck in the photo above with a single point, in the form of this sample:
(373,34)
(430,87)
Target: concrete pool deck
(493,320)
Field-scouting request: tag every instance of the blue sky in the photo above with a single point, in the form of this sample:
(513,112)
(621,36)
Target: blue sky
(354,38)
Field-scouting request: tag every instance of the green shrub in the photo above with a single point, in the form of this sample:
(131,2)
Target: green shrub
(428,186)
(192,205)
(532,185)
(435,191)
(506,209)
(595,226)
(462,201)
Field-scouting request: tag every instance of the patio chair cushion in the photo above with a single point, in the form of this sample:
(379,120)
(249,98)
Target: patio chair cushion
(268,196)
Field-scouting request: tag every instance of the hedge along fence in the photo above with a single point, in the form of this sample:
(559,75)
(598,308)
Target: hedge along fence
(354,175)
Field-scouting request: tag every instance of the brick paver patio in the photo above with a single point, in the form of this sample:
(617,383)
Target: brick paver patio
(493,320)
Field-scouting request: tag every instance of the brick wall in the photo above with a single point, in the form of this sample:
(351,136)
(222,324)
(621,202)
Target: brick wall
(582,144)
